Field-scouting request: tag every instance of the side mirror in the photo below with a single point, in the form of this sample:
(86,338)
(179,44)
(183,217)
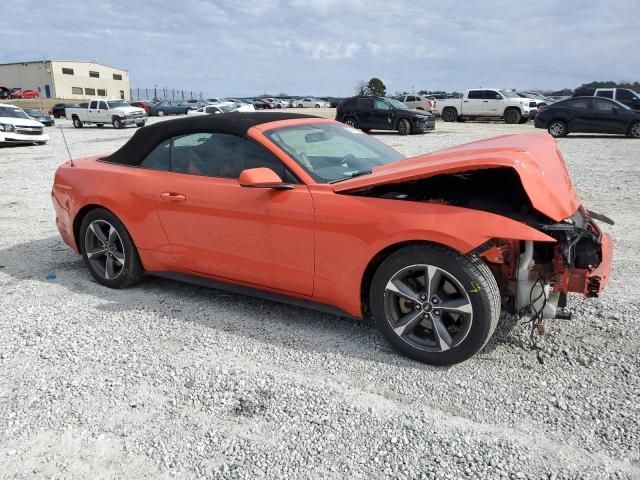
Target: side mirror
(262,178)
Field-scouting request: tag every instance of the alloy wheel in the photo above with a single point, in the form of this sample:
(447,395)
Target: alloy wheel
(428,308)
(635,130)
(104,249)
(556,129)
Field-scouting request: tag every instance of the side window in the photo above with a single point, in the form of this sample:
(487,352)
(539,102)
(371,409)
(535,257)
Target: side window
(603,105)
(474,94)
(349,103)
(605,93)
(365,104)
(220,155)
(159,157)
(622,94)
(409,99)
(581,103)
(381,105)
(103,106)
(93,105)
(491,95)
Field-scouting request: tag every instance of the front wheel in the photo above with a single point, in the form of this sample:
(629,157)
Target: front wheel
(99,125)
(435,305)
(117,123)
(300,105)
(141,124)
(352,122)
(404,127)
(634,130)
(108,250)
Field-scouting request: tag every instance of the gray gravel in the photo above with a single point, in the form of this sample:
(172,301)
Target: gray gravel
(166,380)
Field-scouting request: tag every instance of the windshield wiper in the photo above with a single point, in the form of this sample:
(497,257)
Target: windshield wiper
(352,175)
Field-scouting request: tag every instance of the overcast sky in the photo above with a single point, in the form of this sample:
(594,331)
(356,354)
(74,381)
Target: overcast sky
(324,47)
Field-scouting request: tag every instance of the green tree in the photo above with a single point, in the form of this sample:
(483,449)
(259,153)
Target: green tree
(376,88)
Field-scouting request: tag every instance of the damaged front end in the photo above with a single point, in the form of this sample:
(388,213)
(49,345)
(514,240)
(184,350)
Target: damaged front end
(535,277)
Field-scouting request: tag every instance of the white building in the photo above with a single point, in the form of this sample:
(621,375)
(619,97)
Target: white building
(67,80)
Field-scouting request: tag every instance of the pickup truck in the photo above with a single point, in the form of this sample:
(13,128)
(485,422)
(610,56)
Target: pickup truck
(488,102)
(100,112)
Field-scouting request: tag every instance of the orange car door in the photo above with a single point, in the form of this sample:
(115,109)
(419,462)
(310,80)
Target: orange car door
(258,236)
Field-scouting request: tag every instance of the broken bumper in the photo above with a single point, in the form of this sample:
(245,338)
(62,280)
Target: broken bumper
(598,278)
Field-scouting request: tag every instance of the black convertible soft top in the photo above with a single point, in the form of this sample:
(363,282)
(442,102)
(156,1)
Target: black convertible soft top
(234,123)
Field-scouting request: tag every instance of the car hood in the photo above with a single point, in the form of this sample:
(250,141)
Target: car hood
(534,156)
(25,122)
(129,109)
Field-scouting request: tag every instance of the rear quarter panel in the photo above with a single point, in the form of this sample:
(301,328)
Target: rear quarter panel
(128,192)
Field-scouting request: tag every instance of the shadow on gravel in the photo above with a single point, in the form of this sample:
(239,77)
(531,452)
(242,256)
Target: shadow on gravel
(50,261)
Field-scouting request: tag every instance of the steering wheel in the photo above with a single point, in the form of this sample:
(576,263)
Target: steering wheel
(347,159)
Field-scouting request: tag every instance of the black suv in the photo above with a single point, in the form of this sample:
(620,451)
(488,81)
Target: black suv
(381,113)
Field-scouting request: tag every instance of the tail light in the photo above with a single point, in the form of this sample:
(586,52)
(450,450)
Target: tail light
(542,108)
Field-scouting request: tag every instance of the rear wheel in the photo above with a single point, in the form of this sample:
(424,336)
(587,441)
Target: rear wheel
(404,127)
(557,129)
(450,115)
(300,105)
(77,123)
(435,305)
(108,250)
(160,113)
(352,122)
(512,115)
(634,130)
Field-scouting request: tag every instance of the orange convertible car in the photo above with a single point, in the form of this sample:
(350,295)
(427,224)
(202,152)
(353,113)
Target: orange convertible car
(313,212)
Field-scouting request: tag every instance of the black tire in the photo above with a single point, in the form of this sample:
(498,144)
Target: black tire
(141,124)
(300,105)
(404,127)
(99,125)
(512,116)
(557,129)
(55,115)
(77,123)
(467,332)
(419,108)
(351,121)
(117,123)
(634,130)
(129,273)
(449,114)
(366,130)
(41,143)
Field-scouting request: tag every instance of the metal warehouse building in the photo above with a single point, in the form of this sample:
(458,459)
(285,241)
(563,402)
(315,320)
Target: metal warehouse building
(68,80)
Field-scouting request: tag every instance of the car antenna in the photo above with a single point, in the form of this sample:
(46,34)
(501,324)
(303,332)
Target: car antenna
(66,144)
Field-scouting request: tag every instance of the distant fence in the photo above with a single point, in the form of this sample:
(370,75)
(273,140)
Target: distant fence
(157,93)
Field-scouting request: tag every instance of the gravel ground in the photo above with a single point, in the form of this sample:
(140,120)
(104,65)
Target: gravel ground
(166,380)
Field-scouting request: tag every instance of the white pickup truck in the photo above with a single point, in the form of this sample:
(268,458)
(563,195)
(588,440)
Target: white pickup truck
(100,112)
(488,102)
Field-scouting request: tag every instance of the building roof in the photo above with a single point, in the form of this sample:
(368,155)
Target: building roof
(62,61)
(234,123)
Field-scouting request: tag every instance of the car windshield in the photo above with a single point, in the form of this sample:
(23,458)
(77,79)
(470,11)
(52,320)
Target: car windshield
(332,152)
(12,112)
(509,94)
(117,103)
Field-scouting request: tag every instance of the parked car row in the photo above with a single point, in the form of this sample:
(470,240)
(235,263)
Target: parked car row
(17,92)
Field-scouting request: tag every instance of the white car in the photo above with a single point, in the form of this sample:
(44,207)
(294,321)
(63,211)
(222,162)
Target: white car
(218,101)
(17,127)
(217,109)
(418,102)
(311,103)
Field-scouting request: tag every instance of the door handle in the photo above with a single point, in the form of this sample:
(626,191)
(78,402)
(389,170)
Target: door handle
(485,101)
(173,197)
(465,101)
